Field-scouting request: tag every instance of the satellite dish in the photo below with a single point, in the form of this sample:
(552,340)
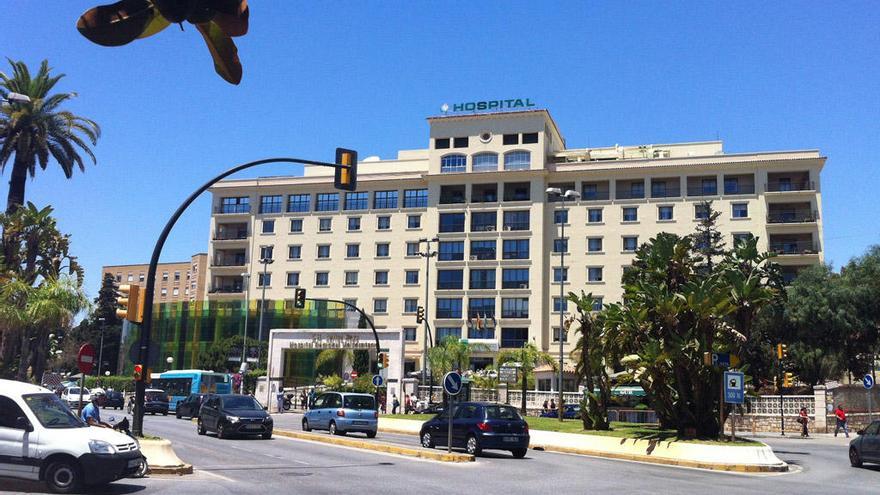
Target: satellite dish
(444,107)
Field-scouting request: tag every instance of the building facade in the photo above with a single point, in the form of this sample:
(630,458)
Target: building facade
(480,190)
(175,282)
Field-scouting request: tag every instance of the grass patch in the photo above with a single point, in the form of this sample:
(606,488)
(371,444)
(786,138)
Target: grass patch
(618,430)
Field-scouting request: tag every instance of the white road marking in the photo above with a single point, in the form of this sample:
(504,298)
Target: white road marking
(215,475)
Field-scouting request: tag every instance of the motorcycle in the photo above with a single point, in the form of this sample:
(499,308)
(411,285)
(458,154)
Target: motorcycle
(288,402)
(123,427)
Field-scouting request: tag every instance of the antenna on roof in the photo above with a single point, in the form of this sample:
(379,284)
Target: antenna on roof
(444,107)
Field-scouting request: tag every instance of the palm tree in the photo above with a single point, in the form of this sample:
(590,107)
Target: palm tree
(34,131)
(529,357)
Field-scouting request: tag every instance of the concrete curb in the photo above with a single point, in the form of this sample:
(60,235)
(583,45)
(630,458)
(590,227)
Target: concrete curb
(376,447)
(692,455)
(162,459)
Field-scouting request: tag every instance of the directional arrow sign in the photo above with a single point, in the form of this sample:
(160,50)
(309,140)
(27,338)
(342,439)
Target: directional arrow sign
(868,382)
(452,383)
(378,380)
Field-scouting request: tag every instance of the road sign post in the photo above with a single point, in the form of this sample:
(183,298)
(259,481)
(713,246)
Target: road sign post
(85,361)
(452,387)
(868,383)
(734,393)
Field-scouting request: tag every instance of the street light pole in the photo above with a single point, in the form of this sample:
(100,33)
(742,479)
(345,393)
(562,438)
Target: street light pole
(101,350)
(265,262)
(428,254)
(246,279)
(573,195)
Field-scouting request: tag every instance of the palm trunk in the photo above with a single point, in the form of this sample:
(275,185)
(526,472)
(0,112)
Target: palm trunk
(17,183)
(40,352)
(8,347)
(25,358)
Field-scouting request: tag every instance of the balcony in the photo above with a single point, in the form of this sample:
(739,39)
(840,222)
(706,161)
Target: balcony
(793,247)
(452,195)
(792,216)
(516,226)
(235,232)
(484,193)
(226,289)
(739,184)
(229,260)
(232,209)
(790,186)
(630,189)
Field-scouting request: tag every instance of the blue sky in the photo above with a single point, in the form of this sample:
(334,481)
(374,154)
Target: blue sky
(759,75)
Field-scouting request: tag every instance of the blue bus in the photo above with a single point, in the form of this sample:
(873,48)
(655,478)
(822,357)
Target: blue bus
(178,384)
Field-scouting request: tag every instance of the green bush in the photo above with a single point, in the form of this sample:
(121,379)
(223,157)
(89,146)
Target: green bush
(118,383)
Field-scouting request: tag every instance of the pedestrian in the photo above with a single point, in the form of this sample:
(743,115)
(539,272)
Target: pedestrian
(279,398)
(91,414)
(552,405)
(407,404)
(312,396)
(394,404)
(545,408)
(303,400)
(841,420)
(415,402)
(803,419)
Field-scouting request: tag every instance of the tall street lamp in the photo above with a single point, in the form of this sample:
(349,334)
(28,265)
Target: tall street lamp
(555,192)
(246,280)
(170,361)
(428,254)
(16,98)
(101,350)
(265,262)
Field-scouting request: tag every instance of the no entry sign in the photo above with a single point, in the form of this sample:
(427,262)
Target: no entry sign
(85,359)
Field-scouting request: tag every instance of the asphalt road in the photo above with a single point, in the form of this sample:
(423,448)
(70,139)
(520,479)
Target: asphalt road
(282,465)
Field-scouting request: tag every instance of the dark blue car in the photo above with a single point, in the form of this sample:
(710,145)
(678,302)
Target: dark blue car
(478,426)
(572,411)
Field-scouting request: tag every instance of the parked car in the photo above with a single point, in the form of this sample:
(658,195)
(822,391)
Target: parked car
(42,439)
(155,401)
(232,414)
(572,411)
(114,399)
(866,446)
(478,426)
(71,397)
(341,413)
(190,406)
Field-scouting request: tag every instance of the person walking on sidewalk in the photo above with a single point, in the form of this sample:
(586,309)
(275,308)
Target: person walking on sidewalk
(803,419)
(394,404)
(841,420)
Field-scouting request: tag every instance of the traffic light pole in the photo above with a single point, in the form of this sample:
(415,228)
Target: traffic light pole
(137,426)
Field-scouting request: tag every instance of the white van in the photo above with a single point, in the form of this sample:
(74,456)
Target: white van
(41,439)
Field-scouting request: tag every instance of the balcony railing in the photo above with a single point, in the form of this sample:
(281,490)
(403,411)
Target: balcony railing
(230,236)
(793,247)
(515,313)
(624,194)
(481,255)
(227,289)
(794,185)
(482,333)
(450,199)
(458,284)
(595,196)
(792,216)
(515,284)
(740,189)
(229,262)
(512,343)
(483,227)
(510,226)
(225,209)
(669,192)
(702,191)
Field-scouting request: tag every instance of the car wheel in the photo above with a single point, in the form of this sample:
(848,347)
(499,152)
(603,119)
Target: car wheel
(854,458)
(164,414)
(266,436)
(306,426)
(427,440)
(200,427)
(142,469)
(221,430)
(333,430)
(519,453)
(371,434)
(473,445)
(63,476)
(179,416)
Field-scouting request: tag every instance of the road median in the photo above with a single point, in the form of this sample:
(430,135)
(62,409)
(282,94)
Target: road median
(743,459)
(376,446)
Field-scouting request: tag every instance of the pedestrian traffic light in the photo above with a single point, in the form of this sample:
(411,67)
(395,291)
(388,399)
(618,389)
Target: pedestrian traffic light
(130,300)
(420,315)
(149,376)
(788,379)
(138,372)
(781,351)
(385,360)
(299,298)
(346,170)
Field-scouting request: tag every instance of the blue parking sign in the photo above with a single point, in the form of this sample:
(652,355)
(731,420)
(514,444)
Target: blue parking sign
(734,387)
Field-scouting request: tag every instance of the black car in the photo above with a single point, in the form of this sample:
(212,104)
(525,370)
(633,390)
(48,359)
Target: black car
(478,426)
(231,414)
(190,406)
(114,399)
(155,402)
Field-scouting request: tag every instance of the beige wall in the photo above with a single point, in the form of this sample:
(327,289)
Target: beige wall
(188,278)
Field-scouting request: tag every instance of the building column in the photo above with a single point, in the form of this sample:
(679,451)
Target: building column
(820,400)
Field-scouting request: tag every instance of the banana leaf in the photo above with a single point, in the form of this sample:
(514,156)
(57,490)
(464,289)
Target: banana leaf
(116,24)
(223,51)
(232,16)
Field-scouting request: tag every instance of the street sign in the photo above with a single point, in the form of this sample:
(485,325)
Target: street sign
(868,382)
(734,390)
(85,358)
(354,375)
(378,380)
(452,383)
(721,359)
(507,374)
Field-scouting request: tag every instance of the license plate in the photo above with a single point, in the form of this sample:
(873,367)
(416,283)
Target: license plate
(359,423)
(134,463)
(511,439)
(252,427)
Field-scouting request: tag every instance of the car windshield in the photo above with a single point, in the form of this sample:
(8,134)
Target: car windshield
(241,402)
(502,412)
(359,402)
(51,412)
(75,391)
(155,397)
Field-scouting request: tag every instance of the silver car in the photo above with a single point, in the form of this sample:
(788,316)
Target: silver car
(866,447)
(341,413)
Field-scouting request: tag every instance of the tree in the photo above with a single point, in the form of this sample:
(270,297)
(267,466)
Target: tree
(707,239)
(529,357)
(591,364)
(216,357)
(34,131)
(331,361)
(451,354)
(106,303)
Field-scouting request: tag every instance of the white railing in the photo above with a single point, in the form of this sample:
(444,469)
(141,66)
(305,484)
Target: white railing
(768,405)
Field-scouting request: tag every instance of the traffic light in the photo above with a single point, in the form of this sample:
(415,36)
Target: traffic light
(149,376)
(346,170)
(131,299)
(138,372)
(299,298)
(788,379)
(385,360)
(781,351)
(420,315)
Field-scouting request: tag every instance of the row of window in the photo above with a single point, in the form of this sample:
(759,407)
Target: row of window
(506,139)
(485,162)
(351,201)
(142,276)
